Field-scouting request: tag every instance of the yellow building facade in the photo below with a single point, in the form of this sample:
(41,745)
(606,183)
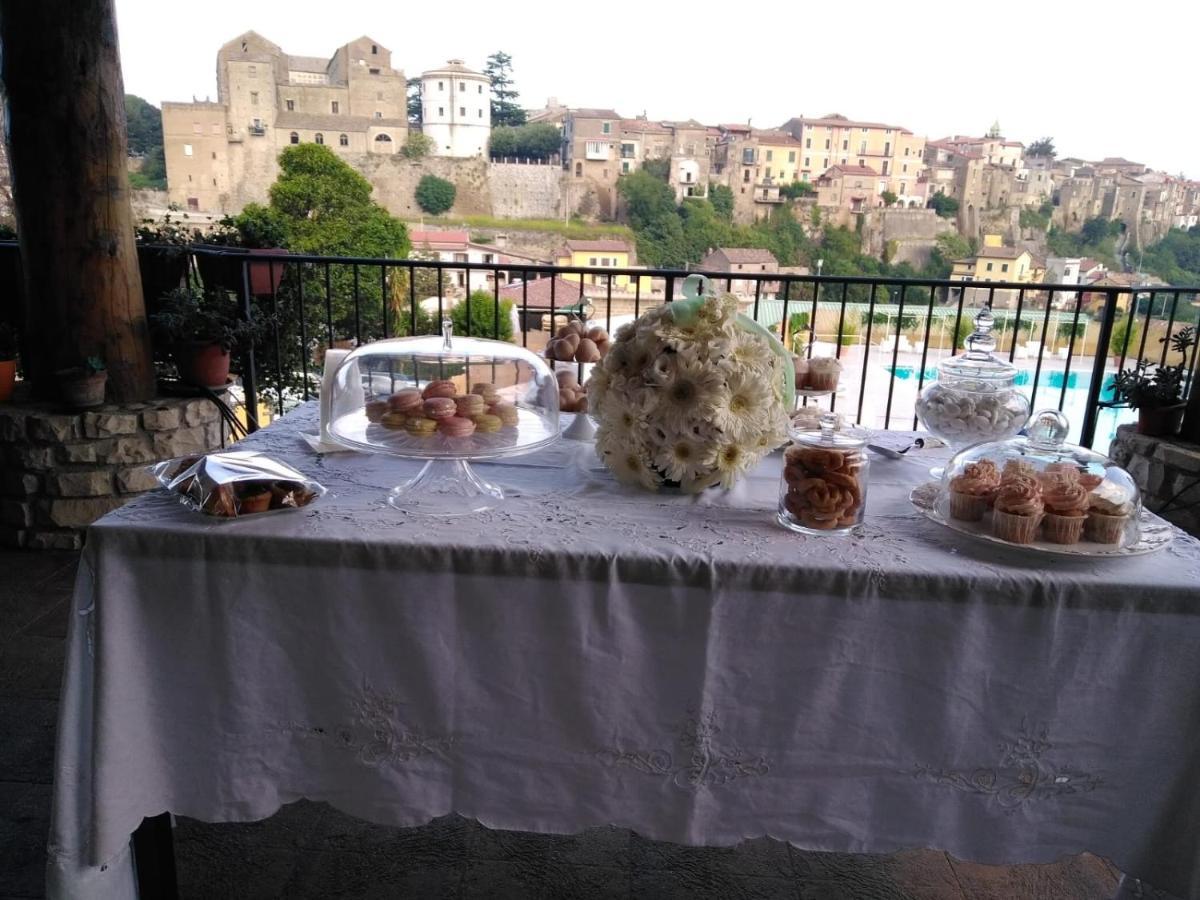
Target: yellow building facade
(602,255)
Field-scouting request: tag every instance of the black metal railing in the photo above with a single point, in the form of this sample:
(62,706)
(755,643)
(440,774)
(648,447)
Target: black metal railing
(1067,340)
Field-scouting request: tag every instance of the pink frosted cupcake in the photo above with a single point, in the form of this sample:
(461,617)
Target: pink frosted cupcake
(823,373)
(1108,513)
(1066,502)
(800,366)
(972,490)
(1017,511)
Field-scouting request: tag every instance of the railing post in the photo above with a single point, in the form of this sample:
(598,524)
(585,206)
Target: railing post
(668,288)
(1092,410)
(249,367)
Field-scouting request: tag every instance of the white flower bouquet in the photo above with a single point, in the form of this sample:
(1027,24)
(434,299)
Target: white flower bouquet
(690,394)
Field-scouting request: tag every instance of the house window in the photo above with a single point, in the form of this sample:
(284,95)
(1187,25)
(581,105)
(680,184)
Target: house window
(294,137)
(383,138)
(462,110)
(806,162)
(320,138)
(745,175)
(791,156)
(333,106)
(606,128)
(827,162)
(624,166)
(378,114)
(214,182)
(989,267)
(253,70)
(189,178)
(904,167)
(592,261)
(441,110)
(578,170)
(374,48)
(441,86)
(862,162)
(214,154)
(291,105)
(846,145)
(197,128)
(885,168)
(770,153)
(372,71)
(480,88)
(481,113)
(254,98)
(344,140)
(826,143)
(187,149)
(462,85)
(887,149)
(1003,267)
(808,143)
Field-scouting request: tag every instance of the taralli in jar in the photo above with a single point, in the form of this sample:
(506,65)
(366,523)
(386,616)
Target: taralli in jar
(823,489)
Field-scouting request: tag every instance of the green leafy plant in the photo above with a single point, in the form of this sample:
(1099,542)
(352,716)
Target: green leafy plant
(850,328)
(256,227)
(435,195)
(889,198)
(1151,386)
(946,207)
(189,315)
(485,321)
(417,145)
(1126,335)
(93,365)
(169,231)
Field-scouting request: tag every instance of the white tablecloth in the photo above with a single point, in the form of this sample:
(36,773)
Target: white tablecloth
(588,655)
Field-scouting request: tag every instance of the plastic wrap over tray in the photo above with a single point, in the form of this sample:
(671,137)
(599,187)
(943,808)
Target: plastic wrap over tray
(236,483)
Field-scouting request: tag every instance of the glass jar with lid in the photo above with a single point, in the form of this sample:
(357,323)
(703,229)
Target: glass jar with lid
(974,397)
(1040,490)
(823,489)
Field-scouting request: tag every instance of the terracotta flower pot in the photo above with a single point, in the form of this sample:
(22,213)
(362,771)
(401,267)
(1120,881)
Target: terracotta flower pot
(82,389)
(8,377)
(225,272)
(204,365)
(266,276)
(1160,421)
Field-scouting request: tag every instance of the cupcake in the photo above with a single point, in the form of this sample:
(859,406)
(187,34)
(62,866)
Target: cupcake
(255,500)
(1066,502)
(1108,513)
(800,366)
(823,372)
(1016,470)
(972,490)
(1017,511)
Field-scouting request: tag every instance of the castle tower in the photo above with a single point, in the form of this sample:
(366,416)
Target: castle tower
(457,110)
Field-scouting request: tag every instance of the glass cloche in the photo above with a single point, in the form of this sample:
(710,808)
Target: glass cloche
(449,400)
(974,397)
(1040,490)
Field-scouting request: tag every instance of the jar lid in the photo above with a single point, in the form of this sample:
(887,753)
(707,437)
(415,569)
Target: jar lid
(827,435)
(978,362)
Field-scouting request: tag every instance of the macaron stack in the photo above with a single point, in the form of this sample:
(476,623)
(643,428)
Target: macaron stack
(438,408)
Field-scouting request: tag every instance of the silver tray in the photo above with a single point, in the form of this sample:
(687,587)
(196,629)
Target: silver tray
(1148,535)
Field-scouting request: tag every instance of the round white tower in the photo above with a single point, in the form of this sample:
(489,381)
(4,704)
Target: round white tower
(457,109)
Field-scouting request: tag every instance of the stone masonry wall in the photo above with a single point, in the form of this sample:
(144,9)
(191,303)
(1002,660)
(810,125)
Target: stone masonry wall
(526,191)
(60,471)
(395,181)
(1166,471)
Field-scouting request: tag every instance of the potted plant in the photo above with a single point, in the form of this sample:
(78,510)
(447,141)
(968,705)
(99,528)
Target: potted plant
(82,387)
(8,361)
(256,231)
(1156,391)
(202,328)
(162,257)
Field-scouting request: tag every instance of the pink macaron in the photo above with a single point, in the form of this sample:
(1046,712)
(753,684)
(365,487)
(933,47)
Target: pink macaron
(407,401)
(439,389)
(456,426)
(469,405)
(439,408)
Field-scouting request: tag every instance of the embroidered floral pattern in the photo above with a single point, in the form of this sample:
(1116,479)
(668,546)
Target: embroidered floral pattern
(375,735)
(1021,776)
(701,764)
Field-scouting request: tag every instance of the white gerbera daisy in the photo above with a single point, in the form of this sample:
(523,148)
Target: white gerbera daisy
(752,353)
(745,411)
(679,457)
(629,464)
(731,461)
(690,396)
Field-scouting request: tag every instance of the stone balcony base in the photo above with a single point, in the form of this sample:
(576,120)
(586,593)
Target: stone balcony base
(1167,471)
(61,471)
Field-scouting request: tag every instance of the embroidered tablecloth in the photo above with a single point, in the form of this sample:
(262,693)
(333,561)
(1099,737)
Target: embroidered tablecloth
(585,654)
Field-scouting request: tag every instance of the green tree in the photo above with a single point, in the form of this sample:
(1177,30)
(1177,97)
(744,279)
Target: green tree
(417,145)
(944,206)
(1042,147)
(415,109)
(659,168)
(478,317)
(703,228)
(540,140)
(435,195)
(888,198)
(505,110)
(721,197)
(1175,258)
(143,125)
(1096,229)
(797,189)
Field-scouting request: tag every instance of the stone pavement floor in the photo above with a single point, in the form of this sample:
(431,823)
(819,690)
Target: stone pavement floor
(310,850)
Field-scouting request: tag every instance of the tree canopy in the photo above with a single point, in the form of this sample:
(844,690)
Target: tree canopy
(144,129)
(539,140)
(1041,147)
(944,206)
(415,109)
(435,195)
(505,110)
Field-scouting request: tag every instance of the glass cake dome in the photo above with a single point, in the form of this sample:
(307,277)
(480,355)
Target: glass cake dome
(974,397)
(448,400)
(1040,490)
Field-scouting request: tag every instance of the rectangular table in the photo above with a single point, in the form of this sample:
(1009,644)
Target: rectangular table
(587,654)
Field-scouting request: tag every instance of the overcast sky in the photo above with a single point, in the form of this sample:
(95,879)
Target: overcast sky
(1102,78)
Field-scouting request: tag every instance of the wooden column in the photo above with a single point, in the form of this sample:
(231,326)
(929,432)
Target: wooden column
(61,75)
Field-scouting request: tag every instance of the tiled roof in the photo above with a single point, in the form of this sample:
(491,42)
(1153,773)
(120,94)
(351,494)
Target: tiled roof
(836,121)
(851,170)
(308,64)
(536,293)
(745,255)
(595,113)
(455,237)
(454,66)
(600,246)
(1000,252)
(286,121)
(774,136)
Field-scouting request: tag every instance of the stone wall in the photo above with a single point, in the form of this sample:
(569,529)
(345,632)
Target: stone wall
(395,181)
(1167,471)
(526,191)
(909,235)
(59,472)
